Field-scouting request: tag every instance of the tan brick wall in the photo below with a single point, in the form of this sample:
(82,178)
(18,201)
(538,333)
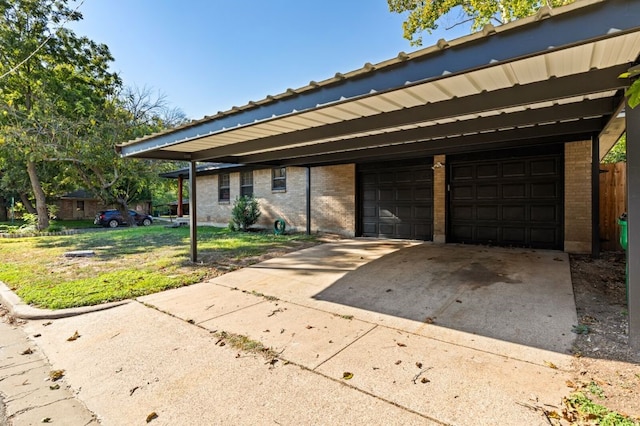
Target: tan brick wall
(577,197)
(210,210)
(439,200)
(332,206)
(333,199)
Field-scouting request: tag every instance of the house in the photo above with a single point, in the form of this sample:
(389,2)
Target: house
(82,204)
(493,138)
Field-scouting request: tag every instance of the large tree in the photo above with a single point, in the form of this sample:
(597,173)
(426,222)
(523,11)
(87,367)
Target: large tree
(52,85)
(423,15)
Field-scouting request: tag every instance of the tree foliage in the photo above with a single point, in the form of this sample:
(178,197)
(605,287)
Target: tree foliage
(49,77)
(423,15)
(618,152)
(62,111)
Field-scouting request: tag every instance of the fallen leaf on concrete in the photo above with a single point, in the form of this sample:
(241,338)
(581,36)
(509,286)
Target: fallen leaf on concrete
(190,321)
(309,327)
(570,384)
(37,335)
(56,374)
(425,380)
(132,390)
(47,323)
(458,301)
(419,364)
(553,415)
(54,387)
(74,337)
(402,345)
(27,351)
(550,365)
(428,320)
(398,362)
(46,420)
(151,416)
(347,376)
(267,331)
(557,259)
(388,290)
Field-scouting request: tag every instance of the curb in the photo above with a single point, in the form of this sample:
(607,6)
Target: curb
(21,310)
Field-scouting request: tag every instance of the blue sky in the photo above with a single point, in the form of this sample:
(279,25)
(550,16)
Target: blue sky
(208,56)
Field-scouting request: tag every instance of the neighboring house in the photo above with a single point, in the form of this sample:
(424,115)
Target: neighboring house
(493,138)
(82,204)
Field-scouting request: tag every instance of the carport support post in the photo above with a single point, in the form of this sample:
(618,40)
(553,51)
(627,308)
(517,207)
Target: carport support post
(633,220)
(595,196)
(308,194)
(193,216)
(179,211)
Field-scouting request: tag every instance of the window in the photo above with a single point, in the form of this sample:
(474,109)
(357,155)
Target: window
(279,179)
(223,187)
(246,183)
(80,205)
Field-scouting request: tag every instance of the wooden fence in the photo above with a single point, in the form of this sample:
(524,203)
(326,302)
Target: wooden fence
(613,202)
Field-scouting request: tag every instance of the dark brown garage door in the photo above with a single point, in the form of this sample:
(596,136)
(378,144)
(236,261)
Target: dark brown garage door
(396,199)
(510,198)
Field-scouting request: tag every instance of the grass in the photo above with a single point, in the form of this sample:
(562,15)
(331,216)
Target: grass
(54,225)
(582,410)
(129,262)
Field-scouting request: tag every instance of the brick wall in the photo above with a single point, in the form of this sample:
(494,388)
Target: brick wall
(439,200)
(332,206)
(577,197)
(333,199)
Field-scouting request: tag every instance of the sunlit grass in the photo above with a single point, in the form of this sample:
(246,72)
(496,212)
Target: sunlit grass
(128,262)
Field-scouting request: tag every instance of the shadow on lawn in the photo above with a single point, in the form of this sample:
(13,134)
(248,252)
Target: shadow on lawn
(213,243)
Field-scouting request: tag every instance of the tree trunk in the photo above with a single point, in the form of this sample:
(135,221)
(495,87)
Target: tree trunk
(3,209)
(123,206)
(41,199)
(26,202)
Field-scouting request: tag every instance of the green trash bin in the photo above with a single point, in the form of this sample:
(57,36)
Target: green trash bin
(622,221)
(624,239)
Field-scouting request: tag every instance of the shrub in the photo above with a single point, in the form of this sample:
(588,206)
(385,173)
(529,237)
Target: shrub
(245,212)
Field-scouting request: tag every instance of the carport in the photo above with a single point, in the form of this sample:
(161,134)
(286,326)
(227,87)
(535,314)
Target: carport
(529,85)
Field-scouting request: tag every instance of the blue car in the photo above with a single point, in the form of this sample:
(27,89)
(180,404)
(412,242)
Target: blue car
(113,218)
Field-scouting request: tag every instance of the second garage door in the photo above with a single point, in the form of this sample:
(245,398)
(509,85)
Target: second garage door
(396,199)
(508,198)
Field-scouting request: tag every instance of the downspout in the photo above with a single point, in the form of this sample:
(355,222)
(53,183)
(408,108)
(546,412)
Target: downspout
(193,213)
(308,200)
(595,196)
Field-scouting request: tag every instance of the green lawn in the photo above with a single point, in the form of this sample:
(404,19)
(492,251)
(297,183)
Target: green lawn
(129,262)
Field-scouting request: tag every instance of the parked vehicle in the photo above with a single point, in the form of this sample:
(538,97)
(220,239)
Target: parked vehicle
(113,218)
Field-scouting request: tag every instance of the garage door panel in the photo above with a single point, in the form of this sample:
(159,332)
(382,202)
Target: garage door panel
(516,213)
(488,212)
(487,192)
(461,173)
(544,190)
(514,169)
(547,167)
(386,195)
(514,234)
(514,190)
(423,213)
(485,171)
(423,194)
(403,203)
(512,198)
(548,213)
(462,192)
(404,194)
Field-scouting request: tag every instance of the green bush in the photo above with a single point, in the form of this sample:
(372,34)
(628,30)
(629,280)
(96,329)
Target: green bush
(245,212)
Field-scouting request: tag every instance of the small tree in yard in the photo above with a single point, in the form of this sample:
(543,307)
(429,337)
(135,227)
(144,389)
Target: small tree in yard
(245,212)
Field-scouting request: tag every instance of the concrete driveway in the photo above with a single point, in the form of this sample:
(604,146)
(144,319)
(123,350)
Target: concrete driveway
(432,334)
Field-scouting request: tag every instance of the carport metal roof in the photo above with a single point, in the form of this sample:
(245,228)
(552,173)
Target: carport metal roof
(550,77)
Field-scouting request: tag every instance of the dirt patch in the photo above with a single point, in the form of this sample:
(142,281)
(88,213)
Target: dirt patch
(606,369)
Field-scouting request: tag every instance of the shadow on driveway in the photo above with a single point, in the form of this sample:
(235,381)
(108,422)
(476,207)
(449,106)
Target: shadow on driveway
(516,295)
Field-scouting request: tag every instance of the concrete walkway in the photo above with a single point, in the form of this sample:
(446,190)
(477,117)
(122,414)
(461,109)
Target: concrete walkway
(428,334)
